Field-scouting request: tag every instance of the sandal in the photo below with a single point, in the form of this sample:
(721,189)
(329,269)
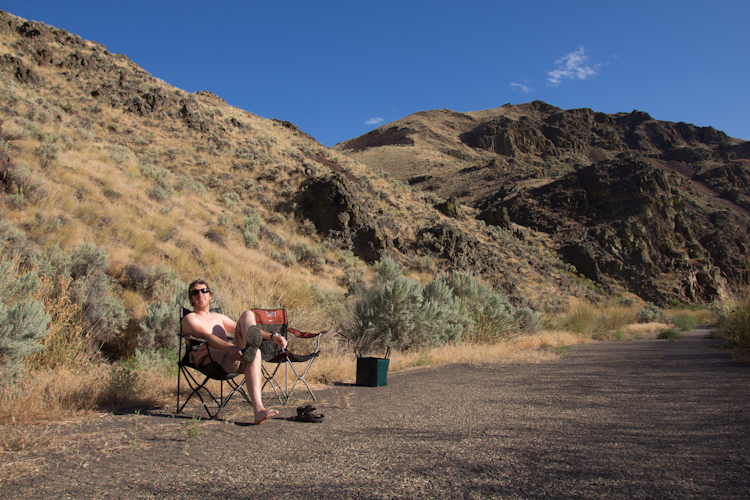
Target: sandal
(307,414)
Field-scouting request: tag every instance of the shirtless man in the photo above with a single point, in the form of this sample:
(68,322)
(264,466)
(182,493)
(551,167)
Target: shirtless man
(235,357)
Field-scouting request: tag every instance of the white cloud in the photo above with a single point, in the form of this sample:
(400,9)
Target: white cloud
(374,121)
(572,66)
(522,87)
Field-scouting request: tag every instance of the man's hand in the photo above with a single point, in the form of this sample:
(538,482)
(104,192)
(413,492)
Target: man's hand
(235,352)
(279,340)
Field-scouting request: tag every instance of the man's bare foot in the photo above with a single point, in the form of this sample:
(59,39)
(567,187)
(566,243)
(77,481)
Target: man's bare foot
(263,415)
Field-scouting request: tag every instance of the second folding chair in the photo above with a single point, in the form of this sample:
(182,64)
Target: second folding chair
(275,320)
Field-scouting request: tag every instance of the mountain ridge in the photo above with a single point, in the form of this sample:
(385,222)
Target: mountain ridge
(503,161)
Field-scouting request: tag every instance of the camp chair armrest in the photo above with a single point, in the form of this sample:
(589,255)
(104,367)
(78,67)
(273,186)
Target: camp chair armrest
(306,335)
(191,339)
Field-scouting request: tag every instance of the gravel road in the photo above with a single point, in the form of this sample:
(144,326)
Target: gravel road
(637,419)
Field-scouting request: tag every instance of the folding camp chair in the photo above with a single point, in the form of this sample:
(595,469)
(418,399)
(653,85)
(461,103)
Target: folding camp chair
(275,320)
(211,370)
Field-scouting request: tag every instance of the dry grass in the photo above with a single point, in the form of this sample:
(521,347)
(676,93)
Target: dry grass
(595,321)
(637,330)
(703,316)
(50,395)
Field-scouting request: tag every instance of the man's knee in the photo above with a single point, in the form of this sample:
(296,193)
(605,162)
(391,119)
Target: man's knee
(247,318)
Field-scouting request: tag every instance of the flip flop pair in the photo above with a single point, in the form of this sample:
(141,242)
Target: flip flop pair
(308,414)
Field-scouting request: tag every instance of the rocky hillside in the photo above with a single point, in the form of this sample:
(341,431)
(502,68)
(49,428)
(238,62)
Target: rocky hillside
(94,150)
(658,208)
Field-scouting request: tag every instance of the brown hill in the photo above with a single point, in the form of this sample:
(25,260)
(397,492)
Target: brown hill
(656,207)
(171,185)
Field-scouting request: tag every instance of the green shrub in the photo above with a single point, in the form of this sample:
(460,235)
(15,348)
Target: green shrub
(150,360)
(252,223)
(287,258)
(159,329)
(491,314)
(528,320)
(91,288)
(119,154)
(188,183)
(649,313)
(400,312)
(23,319)
(309,256)
(669,334)
(123,383)
(46,152)
(686,323)
(27,186)
(230,200)
(161,191)
(733,320)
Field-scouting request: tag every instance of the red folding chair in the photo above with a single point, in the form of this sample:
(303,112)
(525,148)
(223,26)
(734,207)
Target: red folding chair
(275,320)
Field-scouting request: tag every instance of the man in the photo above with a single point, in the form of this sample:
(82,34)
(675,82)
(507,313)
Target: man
(241,355)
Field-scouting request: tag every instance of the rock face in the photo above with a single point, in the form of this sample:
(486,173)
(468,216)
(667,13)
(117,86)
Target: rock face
(660,208)
(622,220)
(342,213)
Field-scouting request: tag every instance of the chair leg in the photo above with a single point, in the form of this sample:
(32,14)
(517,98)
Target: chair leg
(271,379)
(302,378)
(219,403)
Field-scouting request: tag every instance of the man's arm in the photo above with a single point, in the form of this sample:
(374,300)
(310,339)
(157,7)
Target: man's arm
(191,326)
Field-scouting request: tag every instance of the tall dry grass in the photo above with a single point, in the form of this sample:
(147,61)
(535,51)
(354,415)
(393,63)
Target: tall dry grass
(596,321)
(733,320)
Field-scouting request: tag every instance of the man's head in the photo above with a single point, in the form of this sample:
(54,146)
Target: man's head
(198,288)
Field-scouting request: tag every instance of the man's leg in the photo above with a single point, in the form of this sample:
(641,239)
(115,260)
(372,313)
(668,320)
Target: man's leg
(253,375)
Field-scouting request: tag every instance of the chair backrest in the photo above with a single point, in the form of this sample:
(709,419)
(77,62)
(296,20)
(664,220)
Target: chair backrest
(271,320)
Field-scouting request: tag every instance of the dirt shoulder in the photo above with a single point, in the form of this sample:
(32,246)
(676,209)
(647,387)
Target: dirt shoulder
(639,419)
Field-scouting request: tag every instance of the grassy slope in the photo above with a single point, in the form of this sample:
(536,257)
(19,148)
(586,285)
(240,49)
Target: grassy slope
(100,168)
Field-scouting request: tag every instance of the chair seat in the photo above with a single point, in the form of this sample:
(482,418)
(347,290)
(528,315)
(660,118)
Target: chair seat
(282,356)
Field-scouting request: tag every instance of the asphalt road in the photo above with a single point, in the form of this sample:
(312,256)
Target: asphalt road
(619,420)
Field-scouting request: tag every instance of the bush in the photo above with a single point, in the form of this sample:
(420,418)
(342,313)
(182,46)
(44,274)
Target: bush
(669,334)
(399,312)
(491,315)
(28,186)
(23,319)
(103,312)
(309,256)
(733,320)
(159,329)
(652,314)
(123,383)
(252,223)
(151,361)
(119,154)
(686,323)
(161,191)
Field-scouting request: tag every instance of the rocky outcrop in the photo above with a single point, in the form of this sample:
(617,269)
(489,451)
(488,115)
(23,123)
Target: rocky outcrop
(622,221)
(393,136)
(342,213)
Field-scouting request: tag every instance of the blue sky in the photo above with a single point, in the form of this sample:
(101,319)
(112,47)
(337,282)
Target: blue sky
(338,69)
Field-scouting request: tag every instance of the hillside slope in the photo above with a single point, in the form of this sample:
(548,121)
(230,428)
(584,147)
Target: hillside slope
(172,185)
(658,208)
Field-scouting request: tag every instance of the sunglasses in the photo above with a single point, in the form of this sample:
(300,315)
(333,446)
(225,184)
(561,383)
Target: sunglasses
(204,291)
